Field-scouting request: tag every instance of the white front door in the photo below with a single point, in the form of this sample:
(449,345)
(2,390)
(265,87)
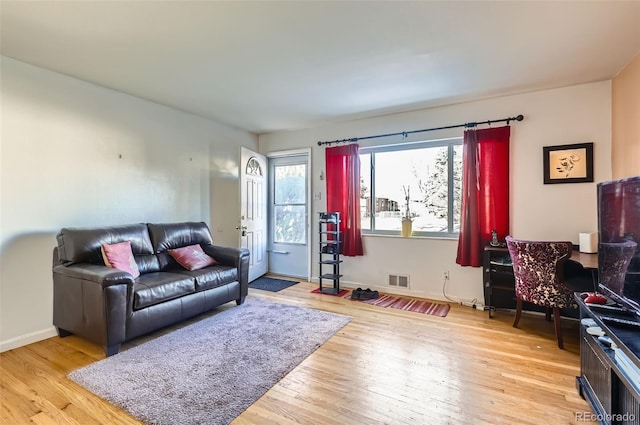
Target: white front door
(289,215)
(253,213)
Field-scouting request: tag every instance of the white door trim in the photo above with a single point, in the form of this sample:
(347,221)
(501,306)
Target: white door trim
(293,152)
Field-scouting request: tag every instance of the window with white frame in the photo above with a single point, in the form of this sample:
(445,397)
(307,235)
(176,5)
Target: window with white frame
(428,173)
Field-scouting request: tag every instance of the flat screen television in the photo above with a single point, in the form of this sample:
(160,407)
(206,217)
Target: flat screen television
(619,240)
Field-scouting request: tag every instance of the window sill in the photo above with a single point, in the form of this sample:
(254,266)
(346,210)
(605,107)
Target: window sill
(377,235)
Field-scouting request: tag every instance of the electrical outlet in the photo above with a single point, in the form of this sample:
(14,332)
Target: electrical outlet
(445,275)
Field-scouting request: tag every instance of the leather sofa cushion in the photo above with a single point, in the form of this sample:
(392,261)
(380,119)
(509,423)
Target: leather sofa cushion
(176,235)
(154,288)
(82,245)
(212,277)
(147,263)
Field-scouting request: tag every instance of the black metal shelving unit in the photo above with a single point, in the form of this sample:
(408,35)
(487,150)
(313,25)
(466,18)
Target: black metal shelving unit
(329,253)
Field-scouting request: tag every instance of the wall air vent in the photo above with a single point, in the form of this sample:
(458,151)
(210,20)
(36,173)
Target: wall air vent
(399,280)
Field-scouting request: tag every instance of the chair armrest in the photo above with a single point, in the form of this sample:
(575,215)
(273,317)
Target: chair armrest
(101,275)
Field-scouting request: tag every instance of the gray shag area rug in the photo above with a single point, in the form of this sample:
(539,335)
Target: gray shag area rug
(212,370)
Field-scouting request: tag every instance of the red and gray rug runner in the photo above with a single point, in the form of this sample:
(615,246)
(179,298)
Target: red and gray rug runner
(410,304)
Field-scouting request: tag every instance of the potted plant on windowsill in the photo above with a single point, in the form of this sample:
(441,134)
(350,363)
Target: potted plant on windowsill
(407,220)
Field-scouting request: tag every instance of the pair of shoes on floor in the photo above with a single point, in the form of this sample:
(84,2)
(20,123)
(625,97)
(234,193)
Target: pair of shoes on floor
(364,294)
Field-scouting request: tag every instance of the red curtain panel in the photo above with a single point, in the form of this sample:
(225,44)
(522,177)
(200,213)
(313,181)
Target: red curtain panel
(485,192)
(343,194)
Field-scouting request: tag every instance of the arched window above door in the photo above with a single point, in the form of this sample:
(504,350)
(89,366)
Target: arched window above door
(253,167)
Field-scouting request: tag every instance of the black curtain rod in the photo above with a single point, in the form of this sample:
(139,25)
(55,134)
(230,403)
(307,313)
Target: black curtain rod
(406,133)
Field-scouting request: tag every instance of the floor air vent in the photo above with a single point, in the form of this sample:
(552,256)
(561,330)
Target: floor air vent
(399,280)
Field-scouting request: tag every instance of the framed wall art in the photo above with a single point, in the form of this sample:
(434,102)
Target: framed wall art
(568,163)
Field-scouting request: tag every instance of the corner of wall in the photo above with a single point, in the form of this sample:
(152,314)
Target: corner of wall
(625,127)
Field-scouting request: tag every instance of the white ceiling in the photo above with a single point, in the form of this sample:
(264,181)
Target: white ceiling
(267,66)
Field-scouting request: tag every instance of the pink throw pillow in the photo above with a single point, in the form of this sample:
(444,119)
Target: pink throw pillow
(192,257)
(119,256)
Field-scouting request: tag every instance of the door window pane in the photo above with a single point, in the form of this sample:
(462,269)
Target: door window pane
(289,224)
(290,185)
(290,196)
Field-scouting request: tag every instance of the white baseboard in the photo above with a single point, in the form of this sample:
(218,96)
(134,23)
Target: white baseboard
(407,292)
(389,290)
(27,339)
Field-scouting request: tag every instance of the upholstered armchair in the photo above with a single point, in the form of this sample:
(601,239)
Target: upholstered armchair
(538,271)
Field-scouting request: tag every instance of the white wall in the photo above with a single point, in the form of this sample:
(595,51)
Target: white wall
(574,114)
(76,154)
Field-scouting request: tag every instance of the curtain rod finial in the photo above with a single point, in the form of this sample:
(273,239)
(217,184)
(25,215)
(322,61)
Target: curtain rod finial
(520,117)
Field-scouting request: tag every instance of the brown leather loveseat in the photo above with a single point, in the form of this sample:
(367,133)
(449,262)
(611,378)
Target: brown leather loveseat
(108,306)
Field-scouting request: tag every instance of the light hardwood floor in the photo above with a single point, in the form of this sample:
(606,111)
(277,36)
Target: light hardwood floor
(385,367)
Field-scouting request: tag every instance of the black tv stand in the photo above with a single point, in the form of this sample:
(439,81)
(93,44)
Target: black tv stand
(610,378)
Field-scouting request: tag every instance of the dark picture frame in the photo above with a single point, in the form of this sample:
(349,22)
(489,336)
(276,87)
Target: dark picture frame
(568,163)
